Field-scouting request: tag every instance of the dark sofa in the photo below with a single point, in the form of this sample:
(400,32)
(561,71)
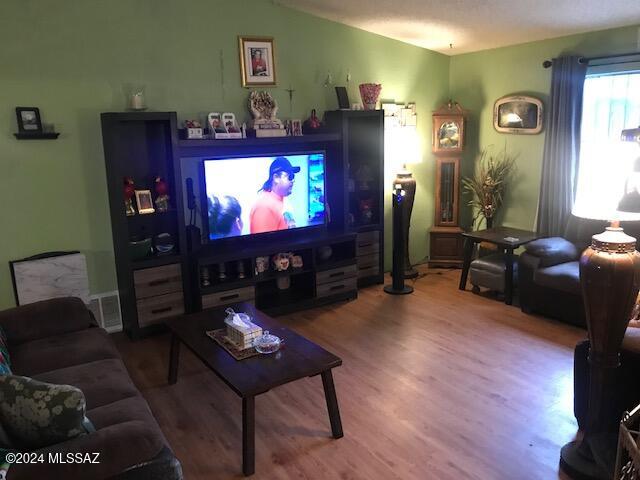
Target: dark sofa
(549,272)
(58,341)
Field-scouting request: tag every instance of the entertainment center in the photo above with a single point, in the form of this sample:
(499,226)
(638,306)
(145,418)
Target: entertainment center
(336,194)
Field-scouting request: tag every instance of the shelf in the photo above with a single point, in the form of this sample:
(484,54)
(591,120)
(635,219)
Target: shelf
(156,261)
(154,214)
(305,303)
(221,250)
(330,265)
(270,275)
(37,136)
(227,285)
(244,142)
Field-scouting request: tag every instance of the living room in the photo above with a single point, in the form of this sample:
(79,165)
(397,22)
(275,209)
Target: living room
(439,383)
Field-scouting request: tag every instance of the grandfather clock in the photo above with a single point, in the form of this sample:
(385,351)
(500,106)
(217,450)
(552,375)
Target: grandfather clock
(446,241)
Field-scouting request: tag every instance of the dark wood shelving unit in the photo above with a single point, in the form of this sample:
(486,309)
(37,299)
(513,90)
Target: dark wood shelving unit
(362,151)
(337,258)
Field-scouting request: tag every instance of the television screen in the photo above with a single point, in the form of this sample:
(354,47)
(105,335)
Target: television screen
(252,195)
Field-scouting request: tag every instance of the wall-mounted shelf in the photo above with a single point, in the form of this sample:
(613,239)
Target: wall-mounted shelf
(37,136)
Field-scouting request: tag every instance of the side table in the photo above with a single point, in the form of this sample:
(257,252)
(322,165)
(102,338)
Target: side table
(507,239)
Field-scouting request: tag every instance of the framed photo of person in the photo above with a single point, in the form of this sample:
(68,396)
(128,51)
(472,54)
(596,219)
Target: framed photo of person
(144,201)
(29,120)
(257,61)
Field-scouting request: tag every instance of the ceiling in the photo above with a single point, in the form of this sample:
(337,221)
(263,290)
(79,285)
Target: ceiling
(472,25)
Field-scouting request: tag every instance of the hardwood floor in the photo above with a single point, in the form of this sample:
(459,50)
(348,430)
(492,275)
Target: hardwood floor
(441,384)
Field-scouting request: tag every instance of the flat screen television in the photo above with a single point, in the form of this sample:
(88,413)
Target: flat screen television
(260,194)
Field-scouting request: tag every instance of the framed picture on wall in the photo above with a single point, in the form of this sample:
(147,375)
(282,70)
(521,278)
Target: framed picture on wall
(518,114)
(257,61)
(144,201)
(29,120)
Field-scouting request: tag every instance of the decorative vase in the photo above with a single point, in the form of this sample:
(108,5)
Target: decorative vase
(370,93)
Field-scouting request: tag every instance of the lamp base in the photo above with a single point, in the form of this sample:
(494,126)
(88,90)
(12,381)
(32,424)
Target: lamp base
(405,290)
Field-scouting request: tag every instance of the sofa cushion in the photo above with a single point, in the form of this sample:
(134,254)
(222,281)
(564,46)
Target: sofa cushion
(5,360)
(553,251)
(564,276)
(126,410)
(60,351)
(101,381)
(38,414)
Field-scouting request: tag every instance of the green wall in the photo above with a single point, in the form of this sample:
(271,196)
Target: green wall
(477,80)
(74,60)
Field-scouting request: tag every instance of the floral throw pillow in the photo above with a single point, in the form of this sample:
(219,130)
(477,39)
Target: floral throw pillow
(5,362)
(37,414)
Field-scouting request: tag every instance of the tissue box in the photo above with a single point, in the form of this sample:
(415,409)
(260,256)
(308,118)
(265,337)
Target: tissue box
(242,336)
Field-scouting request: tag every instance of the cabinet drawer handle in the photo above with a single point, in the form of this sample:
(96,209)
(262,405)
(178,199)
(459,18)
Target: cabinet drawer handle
(336,274)
(362,245)
(337,287)
(161,310)
(155,283)
(230,297)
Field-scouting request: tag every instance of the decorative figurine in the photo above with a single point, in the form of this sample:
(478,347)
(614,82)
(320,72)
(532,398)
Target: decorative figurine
(222,271)
(262,265)
(281,261)
(296,261)
(263,107)
(241,269)
(204,277)
(162,200)
(366,210)
(129,193)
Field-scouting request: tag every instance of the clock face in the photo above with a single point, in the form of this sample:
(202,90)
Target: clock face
(449,135)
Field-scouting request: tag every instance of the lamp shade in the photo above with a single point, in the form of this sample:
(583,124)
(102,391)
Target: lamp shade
(402,145)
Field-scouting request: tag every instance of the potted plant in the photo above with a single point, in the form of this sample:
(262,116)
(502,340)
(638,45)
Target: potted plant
(488,184)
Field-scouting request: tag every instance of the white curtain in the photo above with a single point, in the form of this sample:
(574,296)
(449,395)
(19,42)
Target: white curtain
(611,103)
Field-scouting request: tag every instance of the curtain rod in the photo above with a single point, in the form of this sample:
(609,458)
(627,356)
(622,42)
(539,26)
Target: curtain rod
(548,63)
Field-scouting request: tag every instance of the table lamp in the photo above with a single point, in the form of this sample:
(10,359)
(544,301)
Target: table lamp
(609,280)
(404,148)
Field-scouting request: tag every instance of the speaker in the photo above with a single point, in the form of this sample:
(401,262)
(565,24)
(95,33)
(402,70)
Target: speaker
(191,198)
(194,239)
(397,286)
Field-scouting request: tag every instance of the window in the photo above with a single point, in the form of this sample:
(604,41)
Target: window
(611,103)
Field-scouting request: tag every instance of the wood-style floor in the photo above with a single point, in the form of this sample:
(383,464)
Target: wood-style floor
(441,384)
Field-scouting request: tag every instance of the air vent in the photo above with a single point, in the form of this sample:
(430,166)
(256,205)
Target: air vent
(106,308)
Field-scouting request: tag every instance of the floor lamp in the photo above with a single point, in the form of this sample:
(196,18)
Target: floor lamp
(609,279)
(405,149)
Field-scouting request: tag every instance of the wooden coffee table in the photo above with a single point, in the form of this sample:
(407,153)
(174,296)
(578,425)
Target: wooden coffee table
(250,377)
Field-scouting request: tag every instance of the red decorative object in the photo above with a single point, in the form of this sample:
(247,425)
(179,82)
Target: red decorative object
(162,199)
(312,123)
(370,93)
(129,192)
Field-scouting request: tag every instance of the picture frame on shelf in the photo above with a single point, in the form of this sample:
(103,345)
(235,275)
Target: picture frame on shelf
(519,114)
(296,128)
(257,61)
(29,120)
(144,200)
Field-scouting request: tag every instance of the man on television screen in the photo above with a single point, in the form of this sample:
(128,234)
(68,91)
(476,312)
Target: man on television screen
(268,215)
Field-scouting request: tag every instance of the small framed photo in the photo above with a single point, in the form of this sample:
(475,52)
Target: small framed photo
(257,61)
(144,201)
(296,128)
(29,120)
(518,114)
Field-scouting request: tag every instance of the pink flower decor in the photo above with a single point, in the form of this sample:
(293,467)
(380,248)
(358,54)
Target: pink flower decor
(370,93)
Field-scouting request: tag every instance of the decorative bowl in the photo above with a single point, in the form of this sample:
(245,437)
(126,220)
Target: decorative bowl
(267,343)
(139,249)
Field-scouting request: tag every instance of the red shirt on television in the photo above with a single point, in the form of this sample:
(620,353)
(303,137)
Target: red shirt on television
(267,215)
